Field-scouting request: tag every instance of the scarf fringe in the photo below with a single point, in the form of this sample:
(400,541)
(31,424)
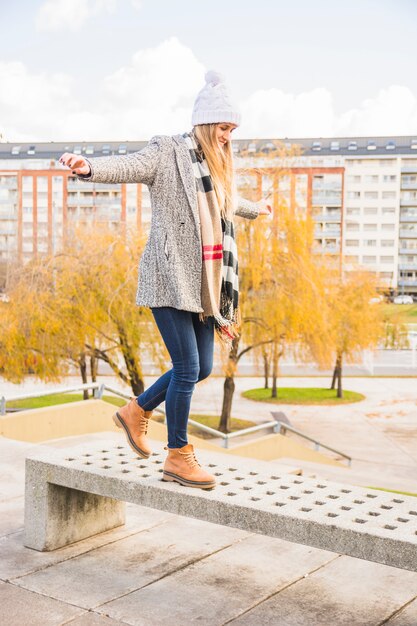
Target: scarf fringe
(226,330)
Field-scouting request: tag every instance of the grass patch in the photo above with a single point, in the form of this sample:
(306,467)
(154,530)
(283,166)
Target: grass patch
(403,493)
(57,398)
(406,313)
(212,421)
(303,395)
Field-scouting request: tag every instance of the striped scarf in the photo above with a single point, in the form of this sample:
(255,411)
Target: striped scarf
(220,282)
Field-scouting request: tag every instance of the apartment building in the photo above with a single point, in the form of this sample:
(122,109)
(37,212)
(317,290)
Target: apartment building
(361,192)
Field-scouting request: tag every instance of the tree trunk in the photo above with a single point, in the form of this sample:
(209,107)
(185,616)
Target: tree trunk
(93,368)
(266,368)
(82,363)
(333,385)
(229,388)
(275,359)
(133,370)
(228,391)
(339,378)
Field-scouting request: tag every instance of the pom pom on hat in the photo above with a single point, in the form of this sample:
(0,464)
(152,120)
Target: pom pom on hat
(213,104)
(215,78)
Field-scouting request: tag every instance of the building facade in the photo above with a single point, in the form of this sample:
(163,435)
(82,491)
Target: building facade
(361,193)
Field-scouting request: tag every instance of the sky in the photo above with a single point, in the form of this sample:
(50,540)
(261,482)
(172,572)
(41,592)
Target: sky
(125,70)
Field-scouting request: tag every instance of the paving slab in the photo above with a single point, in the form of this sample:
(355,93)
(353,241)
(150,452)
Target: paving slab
(19,607)
(11,515)
(113,570)
(94,619)
(345,592)
(220,586)
(17,560)
(407,616)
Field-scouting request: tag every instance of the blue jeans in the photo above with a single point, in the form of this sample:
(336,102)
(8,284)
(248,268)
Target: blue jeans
(190,344)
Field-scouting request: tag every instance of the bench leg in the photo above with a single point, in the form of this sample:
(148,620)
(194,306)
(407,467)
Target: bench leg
(56,516)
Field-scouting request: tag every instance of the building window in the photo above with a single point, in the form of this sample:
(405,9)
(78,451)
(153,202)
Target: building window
(370,211)
(352,243)
(353,195)
(387,259)
(371,195)
(388,210)
(387,243)
(352,226)
(353,211)
(388,226)
(388,194)
(370,243)
(370,227)
(369,259)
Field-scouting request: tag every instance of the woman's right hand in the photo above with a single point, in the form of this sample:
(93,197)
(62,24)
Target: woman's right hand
(76,162)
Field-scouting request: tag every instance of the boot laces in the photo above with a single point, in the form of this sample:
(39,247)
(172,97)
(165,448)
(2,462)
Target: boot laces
(143,424)
(143,419)
(190,458)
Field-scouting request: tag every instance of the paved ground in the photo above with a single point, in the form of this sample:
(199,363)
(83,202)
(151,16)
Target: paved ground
(162,568)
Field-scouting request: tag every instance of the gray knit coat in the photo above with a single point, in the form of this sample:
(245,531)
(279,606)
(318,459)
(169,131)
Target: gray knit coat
(171,264)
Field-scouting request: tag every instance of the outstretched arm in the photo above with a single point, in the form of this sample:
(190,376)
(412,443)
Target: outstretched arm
(138,167)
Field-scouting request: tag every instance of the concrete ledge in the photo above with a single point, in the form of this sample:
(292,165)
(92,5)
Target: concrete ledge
(251,495)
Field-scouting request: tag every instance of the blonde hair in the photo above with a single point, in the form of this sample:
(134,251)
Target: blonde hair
(220,164)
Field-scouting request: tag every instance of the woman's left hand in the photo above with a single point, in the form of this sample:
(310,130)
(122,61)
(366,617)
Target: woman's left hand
(265,207)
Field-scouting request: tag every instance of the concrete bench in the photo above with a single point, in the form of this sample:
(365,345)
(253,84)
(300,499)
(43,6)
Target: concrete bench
(76,492)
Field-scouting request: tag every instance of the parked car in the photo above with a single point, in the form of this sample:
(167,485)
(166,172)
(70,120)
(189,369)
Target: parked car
(403,300)
(376,300)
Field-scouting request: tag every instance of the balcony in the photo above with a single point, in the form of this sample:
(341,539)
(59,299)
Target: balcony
(331,216)
(95,202)
(407,282)
(409,169)
(329,232)
(404,217)
(407,266)
(326,200)
(335,249)
(9,184)
(411,186)
(408,201)
(407,250)
(408,234)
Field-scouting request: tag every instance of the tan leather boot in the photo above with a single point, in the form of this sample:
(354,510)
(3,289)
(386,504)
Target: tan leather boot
(182,466)
(134,420)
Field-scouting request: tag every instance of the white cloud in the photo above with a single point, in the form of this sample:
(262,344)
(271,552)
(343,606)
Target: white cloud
(273,113)
(154,94)
(392,112)
(56,15)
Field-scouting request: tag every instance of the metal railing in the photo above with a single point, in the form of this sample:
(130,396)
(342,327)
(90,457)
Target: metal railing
(283,427)
(277,426)
(99,390)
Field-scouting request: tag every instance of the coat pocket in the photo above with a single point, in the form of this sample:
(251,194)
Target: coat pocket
(166,251)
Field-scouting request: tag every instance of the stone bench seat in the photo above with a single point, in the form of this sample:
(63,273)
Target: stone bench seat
(76,492)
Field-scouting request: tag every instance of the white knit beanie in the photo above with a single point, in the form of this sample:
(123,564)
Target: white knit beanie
(213,103)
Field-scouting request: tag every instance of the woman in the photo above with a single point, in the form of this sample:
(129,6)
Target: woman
(188,273)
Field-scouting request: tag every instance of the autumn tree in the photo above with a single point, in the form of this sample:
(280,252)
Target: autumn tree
(81,307)
(355,323)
